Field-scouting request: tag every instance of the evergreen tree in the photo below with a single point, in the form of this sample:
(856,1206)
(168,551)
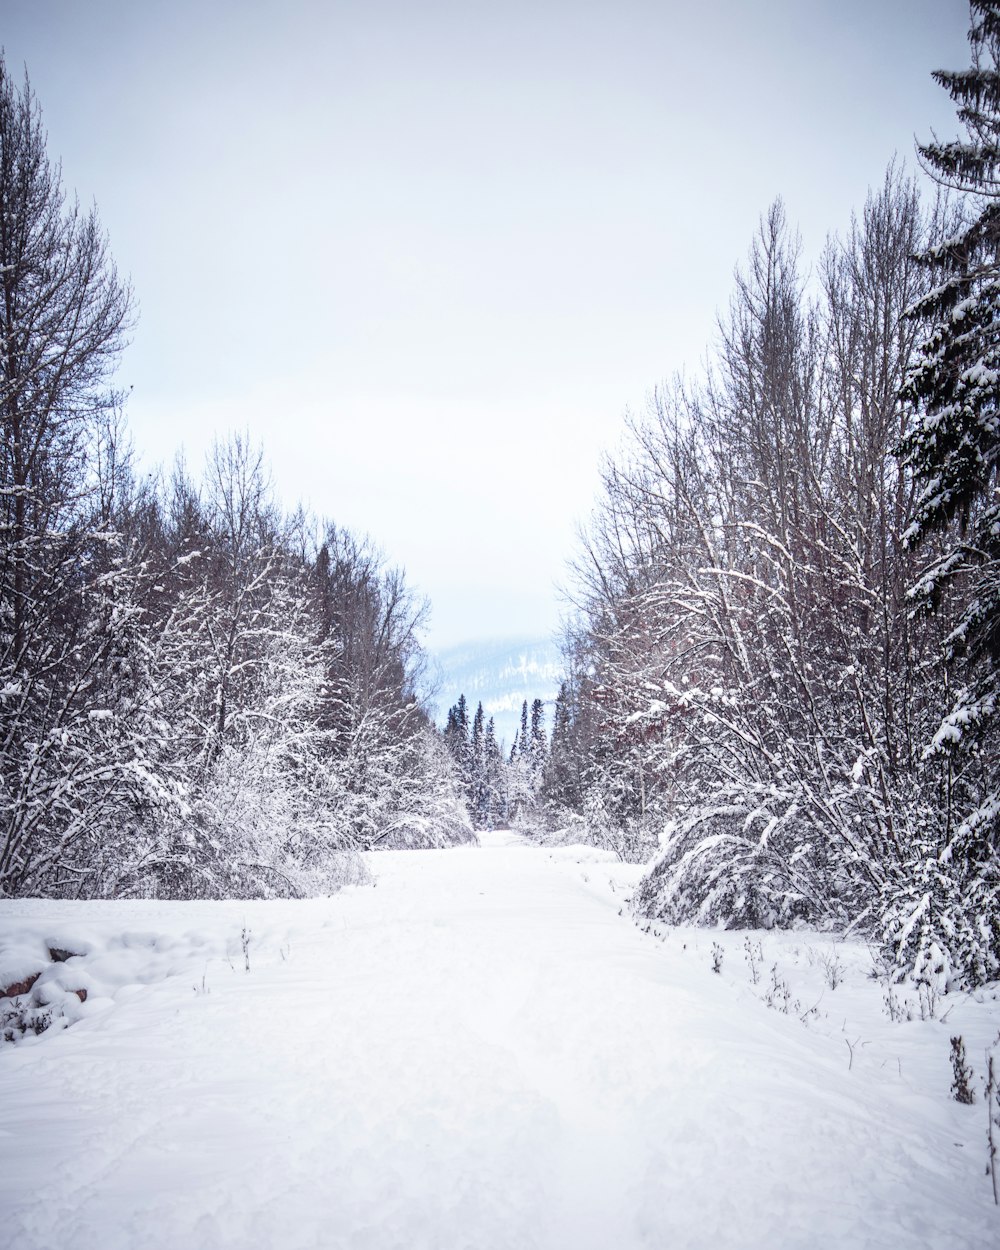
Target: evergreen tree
(456,737)
(495,787)
(558,782)
(954,450)
(479,788)
(523,738)
(538,748)
(456,731)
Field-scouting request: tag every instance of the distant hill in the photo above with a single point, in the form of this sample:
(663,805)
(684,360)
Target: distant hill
(501,674)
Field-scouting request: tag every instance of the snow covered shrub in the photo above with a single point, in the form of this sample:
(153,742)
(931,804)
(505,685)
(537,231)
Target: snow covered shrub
(941,922)
(19,1017)
(632,837)
(712,870)
(551,824)
(402,793)
(335,870)
(435,796)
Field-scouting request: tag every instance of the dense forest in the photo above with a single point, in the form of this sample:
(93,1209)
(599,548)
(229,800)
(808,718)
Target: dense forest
(199,695)
(501,787)
(781,660)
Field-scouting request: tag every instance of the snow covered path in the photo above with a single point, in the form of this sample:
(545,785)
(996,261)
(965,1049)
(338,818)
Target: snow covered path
(478,1052)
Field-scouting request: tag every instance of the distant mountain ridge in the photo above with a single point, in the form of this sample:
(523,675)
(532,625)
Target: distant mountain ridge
(499,673)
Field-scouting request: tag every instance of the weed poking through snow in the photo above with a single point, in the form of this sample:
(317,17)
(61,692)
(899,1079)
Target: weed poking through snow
(961,1084)
(928,998)
(833,969)
(754,955)
(993,1127)
(779,996)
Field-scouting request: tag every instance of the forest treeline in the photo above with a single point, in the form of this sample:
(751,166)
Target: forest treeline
(501,787)
(782,665)
(199,695)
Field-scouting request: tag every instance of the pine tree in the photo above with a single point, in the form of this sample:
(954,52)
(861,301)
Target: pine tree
(456,731)
(463,741)
(558,784)
(479,788)
(538,749)
(523,738)
(953,449)
(460,745)
(494,779)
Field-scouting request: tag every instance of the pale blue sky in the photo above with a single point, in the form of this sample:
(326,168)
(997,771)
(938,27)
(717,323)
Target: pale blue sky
(429,253)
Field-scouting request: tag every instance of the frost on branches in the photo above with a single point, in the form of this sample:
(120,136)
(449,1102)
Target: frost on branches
(199,697)
(760,696)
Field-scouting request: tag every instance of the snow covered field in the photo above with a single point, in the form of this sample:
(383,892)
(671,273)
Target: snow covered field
(479,1051)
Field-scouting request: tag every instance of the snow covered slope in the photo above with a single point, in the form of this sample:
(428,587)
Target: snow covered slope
(480,1051)
(501,674)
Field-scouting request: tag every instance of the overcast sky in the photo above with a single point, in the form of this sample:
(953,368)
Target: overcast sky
(429,253)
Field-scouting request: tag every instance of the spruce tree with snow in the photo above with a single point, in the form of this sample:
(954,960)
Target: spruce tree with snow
(538,749)
(462,718)
(460,745)
(494,779)
(478,802)
(521,790)
(953,449)
(456,734)
(559,778)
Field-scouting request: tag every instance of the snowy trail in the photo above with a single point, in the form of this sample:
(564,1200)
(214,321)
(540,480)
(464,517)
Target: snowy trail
(478,1052)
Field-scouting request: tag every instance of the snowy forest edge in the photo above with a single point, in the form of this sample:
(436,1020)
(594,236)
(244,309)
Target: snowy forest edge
(781,663)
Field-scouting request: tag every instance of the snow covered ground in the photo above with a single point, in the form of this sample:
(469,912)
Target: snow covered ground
(478,1051)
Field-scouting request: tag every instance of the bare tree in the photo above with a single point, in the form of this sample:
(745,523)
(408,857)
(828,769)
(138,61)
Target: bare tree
(64,315)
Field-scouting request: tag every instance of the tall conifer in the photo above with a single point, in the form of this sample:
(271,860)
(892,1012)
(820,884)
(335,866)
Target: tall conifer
(953,449)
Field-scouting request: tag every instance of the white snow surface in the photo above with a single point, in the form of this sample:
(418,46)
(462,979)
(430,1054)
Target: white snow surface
(481,1050)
